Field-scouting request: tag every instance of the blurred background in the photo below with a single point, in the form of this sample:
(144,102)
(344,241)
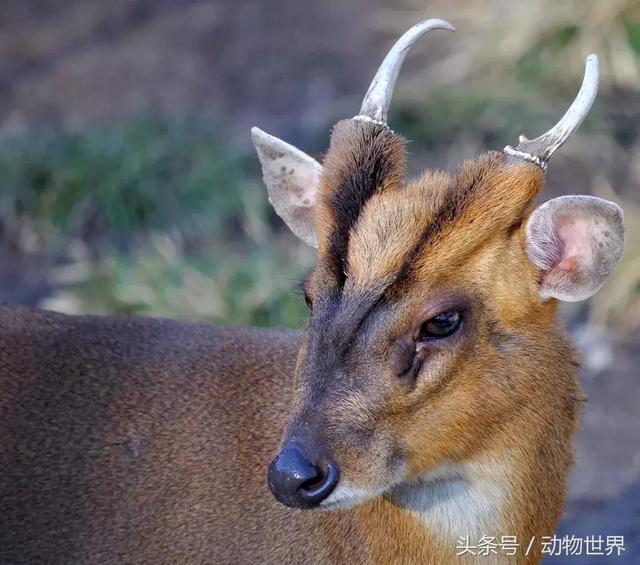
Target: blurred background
(128,184)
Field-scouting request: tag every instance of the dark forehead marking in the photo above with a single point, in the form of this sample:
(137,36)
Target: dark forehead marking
(454,203)
(367,161)
(463,189)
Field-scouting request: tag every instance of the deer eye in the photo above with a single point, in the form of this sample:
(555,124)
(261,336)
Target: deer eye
(442,325)
(306,290)
(307,300)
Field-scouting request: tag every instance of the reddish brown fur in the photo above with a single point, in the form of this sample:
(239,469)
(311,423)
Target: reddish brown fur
(133,440)
(507,393)
(146,441)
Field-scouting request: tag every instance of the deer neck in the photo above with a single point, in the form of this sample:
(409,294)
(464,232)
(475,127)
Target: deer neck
(423,521)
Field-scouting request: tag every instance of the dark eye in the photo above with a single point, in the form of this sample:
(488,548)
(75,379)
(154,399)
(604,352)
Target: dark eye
(305,287)
(307,300)
(442,325)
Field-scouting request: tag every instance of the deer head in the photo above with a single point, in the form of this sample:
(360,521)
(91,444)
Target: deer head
(432,300)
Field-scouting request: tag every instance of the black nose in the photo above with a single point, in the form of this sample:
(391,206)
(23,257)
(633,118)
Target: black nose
(297,482)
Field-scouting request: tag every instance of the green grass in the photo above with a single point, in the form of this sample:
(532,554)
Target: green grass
(151,217)
(162,217)
(258,287)
(143,174)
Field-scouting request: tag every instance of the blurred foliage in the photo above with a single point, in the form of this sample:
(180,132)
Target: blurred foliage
(150,216)
(257,287)
(535,43)
(478,116)
(617,306)
(142,174)
(163,217)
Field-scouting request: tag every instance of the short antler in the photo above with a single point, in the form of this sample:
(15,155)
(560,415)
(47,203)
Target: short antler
(541,149)
(375,105)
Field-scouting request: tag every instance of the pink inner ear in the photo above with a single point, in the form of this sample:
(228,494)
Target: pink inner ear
(573,237)
(568,264)
(572,240)
(575,241)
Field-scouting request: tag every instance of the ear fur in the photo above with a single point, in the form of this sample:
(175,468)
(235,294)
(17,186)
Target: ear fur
(575,241)
(292,179)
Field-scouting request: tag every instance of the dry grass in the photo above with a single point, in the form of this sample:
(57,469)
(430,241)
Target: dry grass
(494,37)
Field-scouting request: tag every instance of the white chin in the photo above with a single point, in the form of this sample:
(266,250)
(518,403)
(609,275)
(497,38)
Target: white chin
(347,496)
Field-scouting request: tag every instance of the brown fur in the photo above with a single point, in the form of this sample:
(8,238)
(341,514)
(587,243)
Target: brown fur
(364,160)
(133,440)
(503,393)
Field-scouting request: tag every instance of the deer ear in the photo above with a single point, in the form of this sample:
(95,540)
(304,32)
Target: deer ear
(575,241)
(292,179)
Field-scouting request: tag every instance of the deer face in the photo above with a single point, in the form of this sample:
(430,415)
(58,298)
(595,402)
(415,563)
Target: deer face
(432,301)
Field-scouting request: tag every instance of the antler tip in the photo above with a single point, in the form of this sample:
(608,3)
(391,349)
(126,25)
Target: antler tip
(591,68)
(540,149)
(437,23)
(376,102)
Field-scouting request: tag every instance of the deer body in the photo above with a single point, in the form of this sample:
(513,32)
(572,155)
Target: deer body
(145,441)
(126,440)
(433,396)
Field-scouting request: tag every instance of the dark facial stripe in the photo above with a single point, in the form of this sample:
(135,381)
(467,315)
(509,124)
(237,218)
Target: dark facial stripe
(456,200)
(339,320)
(369,158)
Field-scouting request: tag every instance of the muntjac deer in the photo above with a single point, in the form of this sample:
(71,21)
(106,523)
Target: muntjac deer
(433,396)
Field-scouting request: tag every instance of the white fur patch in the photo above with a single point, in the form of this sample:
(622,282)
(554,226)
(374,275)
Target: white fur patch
(456,500)
(347,495)
(451,501)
